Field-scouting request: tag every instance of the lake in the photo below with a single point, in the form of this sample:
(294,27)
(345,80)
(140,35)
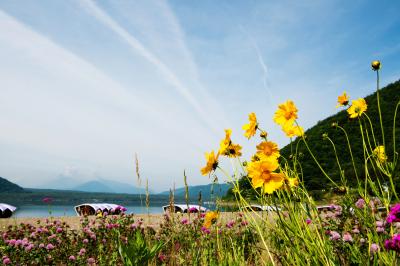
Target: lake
(60,210)
(68,210)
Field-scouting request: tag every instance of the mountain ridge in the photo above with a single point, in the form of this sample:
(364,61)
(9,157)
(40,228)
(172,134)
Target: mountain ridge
(8,186)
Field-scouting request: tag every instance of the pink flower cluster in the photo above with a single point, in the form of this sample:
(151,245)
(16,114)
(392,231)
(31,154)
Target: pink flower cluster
(360,203)
(394,214)
(393,243)
(6,260)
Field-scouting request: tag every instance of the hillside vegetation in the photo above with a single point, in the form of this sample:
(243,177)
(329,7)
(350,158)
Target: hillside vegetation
(324,152)
(322,149)
(208,191)
(7,186)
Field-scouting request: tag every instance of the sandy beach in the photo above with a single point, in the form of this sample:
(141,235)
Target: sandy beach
(153,220)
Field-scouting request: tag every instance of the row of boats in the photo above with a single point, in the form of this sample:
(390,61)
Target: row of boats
(7,210)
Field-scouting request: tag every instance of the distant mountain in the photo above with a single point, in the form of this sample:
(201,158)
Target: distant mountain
(62,182)
(206,191)
(108,186)
(93,186)
(7,186)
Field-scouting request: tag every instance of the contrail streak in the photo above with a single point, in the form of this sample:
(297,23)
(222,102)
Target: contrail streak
(260,60)
(136,45)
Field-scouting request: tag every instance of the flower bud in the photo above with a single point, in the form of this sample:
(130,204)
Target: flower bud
(376,65)
(263,134)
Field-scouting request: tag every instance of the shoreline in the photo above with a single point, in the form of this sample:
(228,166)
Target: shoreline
(153,220)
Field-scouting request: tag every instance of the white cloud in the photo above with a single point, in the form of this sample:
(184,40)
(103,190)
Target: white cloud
(56,105)
(94,10)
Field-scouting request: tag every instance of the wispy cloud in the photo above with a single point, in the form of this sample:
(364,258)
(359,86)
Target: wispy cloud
(89,83)
(76,114)
(93,9)
(260,60)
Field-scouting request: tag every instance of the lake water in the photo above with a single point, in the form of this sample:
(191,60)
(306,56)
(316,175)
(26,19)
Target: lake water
(59,210)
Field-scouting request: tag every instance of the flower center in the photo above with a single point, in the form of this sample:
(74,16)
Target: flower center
(288,115)
(214,165)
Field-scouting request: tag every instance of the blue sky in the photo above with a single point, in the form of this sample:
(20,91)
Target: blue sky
(87,84)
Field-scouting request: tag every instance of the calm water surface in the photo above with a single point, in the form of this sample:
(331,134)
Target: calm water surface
(59,210)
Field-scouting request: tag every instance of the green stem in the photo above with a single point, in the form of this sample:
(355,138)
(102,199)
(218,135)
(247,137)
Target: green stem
(351,153)
(394,133)
(316,161)
(365,157)
(372,129)
(379,106)
(337,160)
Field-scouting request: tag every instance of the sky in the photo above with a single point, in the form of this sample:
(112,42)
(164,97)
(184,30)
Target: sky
(85,85)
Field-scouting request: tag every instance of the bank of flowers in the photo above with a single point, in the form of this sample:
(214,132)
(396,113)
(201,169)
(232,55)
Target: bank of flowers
(362,227)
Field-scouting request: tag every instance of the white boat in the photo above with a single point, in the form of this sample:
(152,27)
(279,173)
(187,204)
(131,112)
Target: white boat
(94,208)
(259,208)
(6,210)
(183,208)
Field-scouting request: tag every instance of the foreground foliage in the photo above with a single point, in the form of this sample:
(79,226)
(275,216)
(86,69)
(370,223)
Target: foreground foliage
(120,239)
(362,227)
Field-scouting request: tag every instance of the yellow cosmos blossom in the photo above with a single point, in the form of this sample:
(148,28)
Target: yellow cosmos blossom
(342,100)
(268,149)
(293,131)
(233,150)
(210,218)
(262,175)
(286,113)
(225,142)
(357,108)
(212,163)
(250,128)
(292,182)
(227,148)
(380,153)
(255,157)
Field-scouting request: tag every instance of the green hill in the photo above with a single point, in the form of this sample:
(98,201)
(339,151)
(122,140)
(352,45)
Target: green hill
(207,191)
(7,186)
(323,150)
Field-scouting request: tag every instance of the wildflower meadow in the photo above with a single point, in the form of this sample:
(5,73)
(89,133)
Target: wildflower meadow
(362,226)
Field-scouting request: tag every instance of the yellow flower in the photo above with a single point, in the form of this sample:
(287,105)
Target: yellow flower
(357,108)
(212,163)
(293,182)
(225,142)
(251,127)
(210,218)
(227,148)
(379,152)
(268,149)
(255,157)
(234,150)
(262,175)
(286,113)
(342,100)
(376,65)
(292,130)
(263,134)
